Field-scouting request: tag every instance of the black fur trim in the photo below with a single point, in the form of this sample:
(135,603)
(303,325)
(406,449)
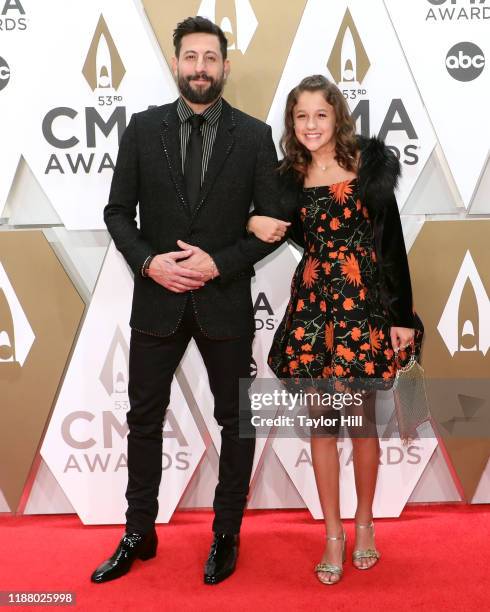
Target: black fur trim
(378,174)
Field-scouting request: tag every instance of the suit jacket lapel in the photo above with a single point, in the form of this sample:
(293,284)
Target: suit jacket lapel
(170,135)
(222,147)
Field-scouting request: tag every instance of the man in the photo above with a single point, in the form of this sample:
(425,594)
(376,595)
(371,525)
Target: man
(194,166)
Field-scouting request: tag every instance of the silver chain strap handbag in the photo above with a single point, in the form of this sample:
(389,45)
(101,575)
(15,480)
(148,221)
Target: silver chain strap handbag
(410,395)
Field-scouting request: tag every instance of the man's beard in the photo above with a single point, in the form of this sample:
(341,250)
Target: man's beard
(205,96)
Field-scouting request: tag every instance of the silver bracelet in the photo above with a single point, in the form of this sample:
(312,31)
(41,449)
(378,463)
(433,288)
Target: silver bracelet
(146,265)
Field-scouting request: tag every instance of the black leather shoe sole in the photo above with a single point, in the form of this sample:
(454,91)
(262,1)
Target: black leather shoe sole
(218,579)
(99,579)
(108,576)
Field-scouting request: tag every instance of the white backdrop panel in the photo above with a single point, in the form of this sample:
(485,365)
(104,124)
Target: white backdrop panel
(447,45)
(83,106)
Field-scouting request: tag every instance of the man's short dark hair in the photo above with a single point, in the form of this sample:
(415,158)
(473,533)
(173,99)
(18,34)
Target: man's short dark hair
(194,25)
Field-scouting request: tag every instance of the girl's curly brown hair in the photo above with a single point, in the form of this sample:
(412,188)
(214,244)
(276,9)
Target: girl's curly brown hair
(296,156)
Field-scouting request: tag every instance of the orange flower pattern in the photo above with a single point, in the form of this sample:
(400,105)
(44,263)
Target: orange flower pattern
(335,324)
(310,272)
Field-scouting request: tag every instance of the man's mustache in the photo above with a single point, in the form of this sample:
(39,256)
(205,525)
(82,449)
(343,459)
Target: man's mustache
(200,77)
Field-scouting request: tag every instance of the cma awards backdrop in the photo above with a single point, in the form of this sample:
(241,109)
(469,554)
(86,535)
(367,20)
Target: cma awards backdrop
(71,75)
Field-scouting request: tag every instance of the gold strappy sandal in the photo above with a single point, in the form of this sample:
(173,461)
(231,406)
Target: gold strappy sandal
(369,553)
(332,567)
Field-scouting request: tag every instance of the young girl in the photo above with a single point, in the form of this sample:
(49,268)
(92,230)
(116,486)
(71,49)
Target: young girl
(350,309)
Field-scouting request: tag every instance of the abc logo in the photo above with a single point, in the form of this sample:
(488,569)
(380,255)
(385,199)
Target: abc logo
(465,61)
(4,73)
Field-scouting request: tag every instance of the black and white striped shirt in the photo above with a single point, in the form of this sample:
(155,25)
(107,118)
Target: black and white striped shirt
(208,129)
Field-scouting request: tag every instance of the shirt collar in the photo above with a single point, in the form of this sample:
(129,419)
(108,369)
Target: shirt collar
(211,114)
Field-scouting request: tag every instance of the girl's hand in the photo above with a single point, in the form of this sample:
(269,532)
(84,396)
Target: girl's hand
(267,229)
(401,337)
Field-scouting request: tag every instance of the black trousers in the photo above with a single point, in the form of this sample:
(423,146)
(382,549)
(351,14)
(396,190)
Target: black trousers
(152,364)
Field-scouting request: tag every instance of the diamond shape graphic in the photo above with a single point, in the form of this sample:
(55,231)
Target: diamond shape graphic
(467,282)
(103,66)
(448,260)
(348,60)
(235,17)
(16,335)
(114,374)
(40,312)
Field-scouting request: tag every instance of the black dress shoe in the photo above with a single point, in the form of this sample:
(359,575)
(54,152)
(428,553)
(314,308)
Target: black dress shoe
(132,546)
(222,558)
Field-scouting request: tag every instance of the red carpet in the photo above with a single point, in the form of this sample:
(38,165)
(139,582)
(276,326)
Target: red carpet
(434,558)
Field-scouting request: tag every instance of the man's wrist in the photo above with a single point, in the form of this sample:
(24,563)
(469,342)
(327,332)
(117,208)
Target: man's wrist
(249,226)
(146,265)
(214,272)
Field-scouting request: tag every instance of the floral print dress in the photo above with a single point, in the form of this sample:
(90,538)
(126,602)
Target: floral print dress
(335,325)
